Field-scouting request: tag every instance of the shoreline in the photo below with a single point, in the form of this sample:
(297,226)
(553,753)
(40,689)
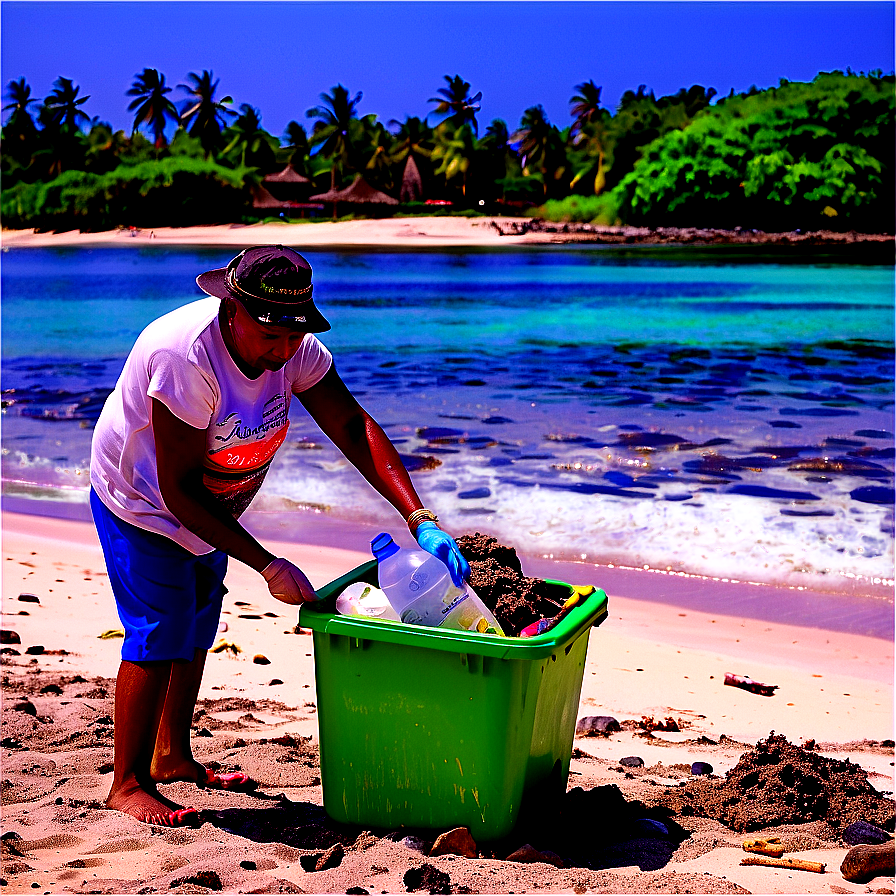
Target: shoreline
(852,608)
(647,660)
(441,232)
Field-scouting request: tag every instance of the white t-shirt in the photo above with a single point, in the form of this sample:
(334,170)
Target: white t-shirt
(181,360)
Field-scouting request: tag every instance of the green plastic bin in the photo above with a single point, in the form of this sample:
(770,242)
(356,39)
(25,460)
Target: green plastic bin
(421,727)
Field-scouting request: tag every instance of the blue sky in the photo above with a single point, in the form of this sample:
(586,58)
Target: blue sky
(279,56)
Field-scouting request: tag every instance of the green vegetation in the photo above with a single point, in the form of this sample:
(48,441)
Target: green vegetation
(800,155)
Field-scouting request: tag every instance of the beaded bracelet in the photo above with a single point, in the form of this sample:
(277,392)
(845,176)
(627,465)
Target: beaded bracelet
(419,516)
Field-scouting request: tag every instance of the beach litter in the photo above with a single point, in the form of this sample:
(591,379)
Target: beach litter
(792,864)
(769,847)
(224,646)
(747,684)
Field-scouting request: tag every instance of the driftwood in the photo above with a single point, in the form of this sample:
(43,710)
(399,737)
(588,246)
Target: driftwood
(770,847)
(747,684)
(793,864)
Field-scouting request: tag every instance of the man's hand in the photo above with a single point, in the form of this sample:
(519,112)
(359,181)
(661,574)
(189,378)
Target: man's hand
(440,544)
(288,583)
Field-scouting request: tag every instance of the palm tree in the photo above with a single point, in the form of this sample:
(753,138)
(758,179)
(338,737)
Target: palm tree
(205,115)
(296,139)
(585,106)
(456,103)
(19,132)
(331,128)
(256,146)
(540,146)
(454,152)
(153,108)
(375,143)
(19,95)
(62,107)
(61,116)
(413,142)
(591,140)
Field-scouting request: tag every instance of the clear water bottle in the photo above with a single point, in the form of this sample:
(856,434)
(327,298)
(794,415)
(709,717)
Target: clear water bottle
(420,589)
(361,599)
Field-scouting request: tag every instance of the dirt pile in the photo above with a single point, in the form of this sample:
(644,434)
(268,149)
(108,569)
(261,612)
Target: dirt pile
(779,783)
(496,575)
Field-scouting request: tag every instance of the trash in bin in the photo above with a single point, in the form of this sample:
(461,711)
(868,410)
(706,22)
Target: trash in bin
(429,728)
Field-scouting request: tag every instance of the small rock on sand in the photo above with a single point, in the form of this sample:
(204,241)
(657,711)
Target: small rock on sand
(8,636)
(632,762)
(29,598)
(261,660)
(863,832)
(528,853)
(457,842)
(427,877)
(596,726)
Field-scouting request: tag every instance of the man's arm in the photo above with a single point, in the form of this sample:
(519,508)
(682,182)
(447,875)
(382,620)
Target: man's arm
(180,451)
(361,439)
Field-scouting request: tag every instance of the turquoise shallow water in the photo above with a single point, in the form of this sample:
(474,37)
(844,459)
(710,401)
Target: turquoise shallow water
(726,417)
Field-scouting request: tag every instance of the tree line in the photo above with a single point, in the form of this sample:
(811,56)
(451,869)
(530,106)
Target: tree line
(799,155)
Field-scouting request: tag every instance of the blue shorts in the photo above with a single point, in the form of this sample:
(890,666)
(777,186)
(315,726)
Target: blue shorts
(168,600)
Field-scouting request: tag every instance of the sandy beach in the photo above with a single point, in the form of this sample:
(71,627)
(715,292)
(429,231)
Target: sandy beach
(647,660)
(656,666)
(436,232)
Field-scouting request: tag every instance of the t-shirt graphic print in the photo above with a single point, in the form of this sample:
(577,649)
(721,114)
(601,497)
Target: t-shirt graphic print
(239,454)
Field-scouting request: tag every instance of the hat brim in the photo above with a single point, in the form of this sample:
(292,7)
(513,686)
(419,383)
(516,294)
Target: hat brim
(214,283)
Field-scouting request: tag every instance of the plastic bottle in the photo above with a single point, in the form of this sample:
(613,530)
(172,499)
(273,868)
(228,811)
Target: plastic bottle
(420,589)
(361,599)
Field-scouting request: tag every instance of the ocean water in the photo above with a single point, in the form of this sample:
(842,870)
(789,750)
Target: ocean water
(725,415)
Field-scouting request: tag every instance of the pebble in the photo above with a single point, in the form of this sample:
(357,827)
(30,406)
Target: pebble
(26,706)
(414,843)
(632,762)
(864,832)
(701,768)
(457,842)
(29,598)
(595,726)
(528,853)
(332,858)
(7,636)
(35,650)
(261,660)
(248,865)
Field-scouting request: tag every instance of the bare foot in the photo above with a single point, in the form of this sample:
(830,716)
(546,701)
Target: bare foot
(149,808)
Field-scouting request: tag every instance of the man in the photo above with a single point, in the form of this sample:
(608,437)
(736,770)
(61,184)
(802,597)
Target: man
(181,448)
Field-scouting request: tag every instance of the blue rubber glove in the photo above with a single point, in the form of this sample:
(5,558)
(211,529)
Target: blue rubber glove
(440,544)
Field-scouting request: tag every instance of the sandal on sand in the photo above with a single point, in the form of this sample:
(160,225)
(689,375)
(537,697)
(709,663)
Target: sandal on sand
(184,817)
(227,781)
(867,861)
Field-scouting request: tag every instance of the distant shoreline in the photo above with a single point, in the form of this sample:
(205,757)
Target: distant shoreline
(448,232)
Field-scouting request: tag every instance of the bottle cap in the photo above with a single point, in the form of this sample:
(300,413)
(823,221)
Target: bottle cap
(383,546)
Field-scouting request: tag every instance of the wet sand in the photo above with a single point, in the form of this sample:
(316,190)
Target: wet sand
(648,659)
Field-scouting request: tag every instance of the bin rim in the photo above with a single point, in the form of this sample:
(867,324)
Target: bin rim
(321,617)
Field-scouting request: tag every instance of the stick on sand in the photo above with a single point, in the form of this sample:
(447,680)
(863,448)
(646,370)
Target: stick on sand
(794,864)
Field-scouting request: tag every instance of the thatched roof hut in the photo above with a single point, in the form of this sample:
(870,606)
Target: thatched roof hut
(411,182)
(359,192)
(288,175)
(262,198)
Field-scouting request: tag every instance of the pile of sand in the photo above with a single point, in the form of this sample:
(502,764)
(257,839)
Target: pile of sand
(496,575)
(780,783)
